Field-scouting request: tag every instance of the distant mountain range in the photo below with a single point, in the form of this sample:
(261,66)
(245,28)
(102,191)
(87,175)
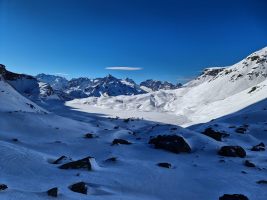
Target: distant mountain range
(108,86)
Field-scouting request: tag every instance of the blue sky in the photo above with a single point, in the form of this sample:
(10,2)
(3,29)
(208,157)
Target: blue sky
(165,40)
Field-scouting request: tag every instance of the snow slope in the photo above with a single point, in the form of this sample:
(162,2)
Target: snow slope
(27,169)
(217,92)
(11,100)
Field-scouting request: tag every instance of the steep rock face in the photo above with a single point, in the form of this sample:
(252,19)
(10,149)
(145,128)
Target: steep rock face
(56,82)
(25,84)
(158,85)
(28,85)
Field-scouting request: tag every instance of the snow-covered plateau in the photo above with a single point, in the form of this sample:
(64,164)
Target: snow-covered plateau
(205,140)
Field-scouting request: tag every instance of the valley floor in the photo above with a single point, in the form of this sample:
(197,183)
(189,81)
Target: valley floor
(27,169)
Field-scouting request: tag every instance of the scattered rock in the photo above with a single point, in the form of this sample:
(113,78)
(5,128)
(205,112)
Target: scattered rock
(232,151)
(3,187)
(165,165)
(126,120)
(15,140)
(233,197)
(232,126)
(79,187)
(258,147)
(241,130)
(116,127)
(60,160)
(52,192)
(249,164)
(172,143)
(216,135)
(112,159)
(262,182)
(89,135)
(79,164)
(120,141)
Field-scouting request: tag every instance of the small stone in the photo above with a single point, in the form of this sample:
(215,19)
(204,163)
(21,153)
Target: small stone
(233,197)
(3,187)
(165,165)
(249,164)
(262,182)
(120,141)
(52,192)
(79,187)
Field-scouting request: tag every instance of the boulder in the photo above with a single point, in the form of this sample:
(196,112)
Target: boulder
(172,143)
(232,151)
(84,163)
(216,135)
(79,187)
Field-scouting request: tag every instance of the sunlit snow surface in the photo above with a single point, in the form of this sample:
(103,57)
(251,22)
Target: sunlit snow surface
(26,165)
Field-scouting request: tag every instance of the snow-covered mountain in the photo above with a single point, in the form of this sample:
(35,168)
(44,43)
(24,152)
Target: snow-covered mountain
(152,85)
(85,87)
(29,86)
(216,92)
(108,86)
(12,101)
(56,82)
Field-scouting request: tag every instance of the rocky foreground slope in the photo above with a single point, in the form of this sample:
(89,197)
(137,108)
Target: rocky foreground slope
(45,156)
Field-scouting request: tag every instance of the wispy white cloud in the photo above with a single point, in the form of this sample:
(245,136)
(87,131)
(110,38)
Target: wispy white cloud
(125,68)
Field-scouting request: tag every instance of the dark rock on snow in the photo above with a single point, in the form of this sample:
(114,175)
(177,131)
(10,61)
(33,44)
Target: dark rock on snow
(89,135)
(120,141)
(262,182)
(112,159)
(233,197)
(60,159)
(258,147)
(52,192)
(232,151)
(165,165)
(216,135)
(3,187)
(79,187)
(79,164)
(241,130)
(249,164)
(172,143)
